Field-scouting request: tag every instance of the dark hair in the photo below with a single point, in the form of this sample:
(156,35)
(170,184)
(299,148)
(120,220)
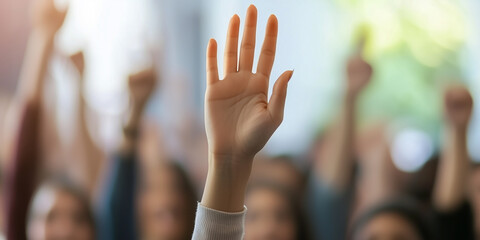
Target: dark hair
(406,208)
(421,183)
(63,183)
(291,164)
(190,194)
(293,203)
(187,188)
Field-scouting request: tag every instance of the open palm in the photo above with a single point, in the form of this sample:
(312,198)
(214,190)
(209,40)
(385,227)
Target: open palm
(239,118)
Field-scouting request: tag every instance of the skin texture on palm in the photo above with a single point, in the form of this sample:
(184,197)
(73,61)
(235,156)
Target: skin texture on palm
(449,190)
(239,118)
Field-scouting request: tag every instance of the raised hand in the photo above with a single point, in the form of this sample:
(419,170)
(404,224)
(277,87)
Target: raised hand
(458,105)
(46,17)
(359,73)
(239,118)
(454,163)
(141,86)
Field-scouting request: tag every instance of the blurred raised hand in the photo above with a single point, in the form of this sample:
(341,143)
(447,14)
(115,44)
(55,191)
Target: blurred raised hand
(449,191)
(458,103)
(141,85)
(46,17)
(359,74)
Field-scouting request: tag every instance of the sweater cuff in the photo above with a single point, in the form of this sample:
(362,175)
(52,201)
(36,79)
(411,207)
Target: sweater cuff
(212,224)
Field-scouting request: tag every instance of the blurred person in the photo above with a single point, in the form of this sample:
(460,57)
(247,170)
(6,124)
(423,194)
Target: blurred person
(60,210)
(24,160)
(395,219)
(420,184)
(160,202)
(451,214)
(280,169)
(166,202)
(378,178)
(117,205)
(273,199)
(239,120)
(452,210)
(274,212)
(331,188)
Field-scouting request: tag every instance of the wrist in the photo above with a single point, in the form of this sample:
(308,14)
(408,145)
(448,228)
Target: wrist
(457,129)
(351,94)
(236,168)
(226,182)
(134,116)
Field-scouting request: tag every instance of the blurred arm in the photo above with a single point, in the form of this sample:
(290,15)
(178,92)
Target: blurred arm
(90,158)
(449,191)
(21,172)
(337,170)
(453,170)
(118,216)
(24,162)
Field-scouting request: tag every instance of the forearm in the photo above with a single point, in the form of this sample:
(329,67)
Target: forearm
(20,178)
(378,181)
(89,156)
(131,130)
(226,183)
(83,134)
(452,173)
(21,172)
(34,68)
(338,168)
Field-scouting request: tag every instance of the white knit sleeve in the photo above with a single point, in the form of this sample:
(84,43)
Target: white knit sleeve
(212,224)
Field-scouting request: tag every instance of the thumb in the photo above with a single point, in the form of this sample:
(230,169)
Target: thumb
(277,100)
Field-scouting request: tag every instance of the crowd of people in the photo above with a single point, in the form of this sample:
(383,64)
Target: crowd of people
(349,190)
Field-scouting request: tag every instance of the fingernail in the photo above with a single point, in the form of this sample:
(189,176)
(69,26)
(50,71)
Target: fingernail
(291,74)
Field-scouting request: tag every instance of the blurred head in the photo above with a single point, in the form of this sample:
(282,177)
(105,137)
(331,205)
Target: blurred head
(273,213)
(420,184)
(167,203)
(60,210)
(281,170)
(399,220)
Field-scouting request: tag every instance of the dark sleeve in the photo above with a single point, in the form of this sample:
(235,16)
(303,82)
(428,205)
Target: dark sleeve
(456,224)
(117,206)
(20,174)
(328,209)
